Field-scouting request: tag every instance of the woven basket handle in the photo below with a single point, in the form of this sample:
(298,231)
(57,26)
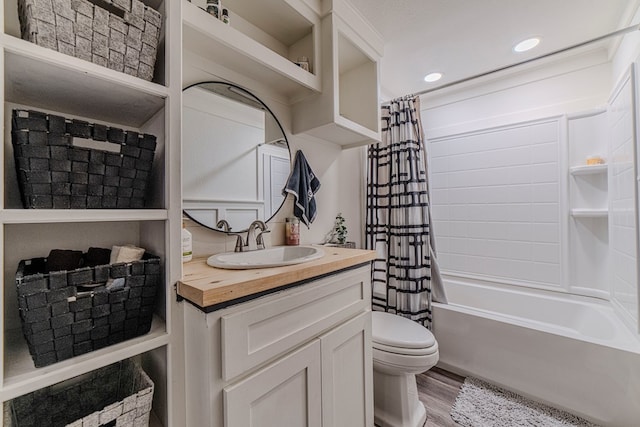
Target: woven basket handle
(92,144)
(117,7)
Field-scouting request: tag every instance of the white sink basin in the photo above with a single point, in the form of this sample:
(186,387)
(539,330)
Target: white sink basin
(262,258)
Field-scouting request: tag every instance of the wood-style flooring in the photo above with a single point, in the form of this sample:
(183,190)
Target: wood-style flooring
(438,390)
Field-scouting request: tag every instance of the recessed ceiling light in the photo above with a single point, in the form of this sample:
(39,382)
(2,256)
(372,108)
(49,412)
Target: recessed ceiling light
(433,77)
(526,45)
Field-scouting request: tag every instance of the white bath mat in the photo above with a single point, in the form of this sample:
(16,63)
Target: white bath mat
(480,404)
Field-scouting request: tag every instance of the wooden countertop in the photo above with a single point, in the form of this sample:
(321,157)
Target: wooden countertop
(207,286)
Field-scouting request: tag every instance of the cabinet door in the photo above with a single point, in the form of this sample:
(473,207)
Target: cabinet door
(347,374)
(285,393)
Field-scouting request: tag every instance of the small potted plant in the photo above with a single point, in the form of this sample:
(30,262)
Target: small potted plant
(340,230)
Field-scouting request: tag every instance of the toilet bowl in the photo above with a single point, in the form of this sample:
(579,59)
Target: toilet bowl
(401,349)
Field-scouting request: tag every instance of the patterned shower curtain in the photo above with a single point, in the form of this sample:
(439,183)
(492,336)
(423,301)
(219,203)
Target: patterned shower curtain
(398,218)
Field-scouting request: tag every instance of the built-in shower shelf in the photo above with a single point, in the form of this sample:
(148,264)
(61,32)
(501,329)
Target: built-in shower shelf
(589,213)
(588,169)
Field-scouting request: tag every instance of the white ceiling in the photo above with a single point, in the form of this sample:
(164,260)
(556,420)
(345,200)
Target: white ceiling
(462,38)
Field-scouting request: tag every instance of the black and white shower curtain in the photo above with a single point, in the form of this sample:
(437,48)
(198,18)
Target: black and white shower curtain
(398,218)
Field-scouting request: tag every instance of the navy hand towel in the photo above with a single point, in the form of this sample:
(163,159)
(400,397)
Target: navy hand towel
(303,184)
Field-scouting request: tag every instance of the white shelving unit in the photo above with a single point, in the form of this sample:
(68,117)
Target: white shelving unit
(261,42)
(347,111)
(45,80)
(337,100)
(588,225)
(589,188)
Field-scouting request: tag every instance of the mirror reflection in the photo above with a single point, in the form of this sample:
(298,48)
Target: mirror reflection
(236,157)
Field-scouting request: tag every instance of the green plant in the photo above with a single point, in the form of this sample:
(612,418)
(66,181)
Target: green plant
(340,230)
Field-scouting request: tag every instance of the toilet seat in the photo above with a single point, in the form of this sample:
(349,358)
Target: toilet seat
(395,334)
(406,351)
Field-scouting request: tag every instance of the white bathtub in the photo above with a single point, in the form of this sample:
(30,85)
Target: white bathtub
(572,353)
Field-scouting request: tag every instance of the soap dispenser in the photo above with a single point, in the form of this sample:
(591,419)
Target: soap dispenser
(187,245)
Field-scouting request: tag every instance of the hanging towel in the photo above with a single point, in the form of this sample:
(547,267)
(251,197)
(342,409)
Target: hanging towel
(303,184)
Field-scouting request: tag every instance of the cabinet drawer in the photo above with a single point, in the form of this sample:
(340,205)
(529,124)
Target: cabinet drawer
(274,325)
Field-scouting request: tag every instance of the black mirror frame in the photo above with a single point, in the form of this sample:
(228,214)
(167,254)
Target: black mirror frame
(251,95)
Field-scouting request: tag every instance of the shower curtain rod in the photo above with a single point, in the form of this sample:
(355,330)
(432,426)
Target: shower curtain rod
(546,55)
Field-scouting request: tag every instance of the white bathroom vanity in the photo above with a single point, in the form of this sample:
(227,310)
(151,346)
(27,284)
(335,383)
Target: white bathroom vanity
(285,346)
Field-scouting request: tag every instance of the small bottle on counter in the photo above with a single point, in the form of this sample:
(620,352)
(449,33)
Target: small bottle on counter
(292,231)
(187,246)
(225,16)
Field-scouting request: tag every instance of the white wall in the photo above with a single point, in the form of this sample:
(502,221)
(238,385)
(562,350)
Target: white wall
(627,51)
(578,83)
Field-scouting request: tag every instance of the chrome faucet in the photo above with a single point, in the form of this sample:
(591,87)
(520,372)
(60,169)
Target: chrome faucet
(254,241)
(260,243)
(224,225)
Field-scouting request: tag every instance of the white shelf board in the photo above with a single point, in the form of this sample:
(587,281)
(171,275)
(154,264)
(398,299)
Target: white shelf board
(44,78)
(45,216)
(345,133)
(21,376)
(589,213)
(588,169)
(210,38)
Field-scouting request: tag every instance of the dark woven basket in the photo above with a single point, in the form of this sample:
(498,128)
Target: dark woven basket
(69,313)
(54,173)
(120,394)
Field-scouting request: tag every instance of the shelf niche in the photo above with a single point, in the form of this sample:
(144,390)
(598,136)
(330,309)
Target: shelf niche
(347,112)
(262,41)
(588,225)
(28,241)
(12,28)
(155,125)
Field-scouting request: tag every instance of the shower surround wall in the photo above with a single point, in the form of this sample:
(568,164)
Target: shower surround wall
(517,204)
(496,203)
(511,203)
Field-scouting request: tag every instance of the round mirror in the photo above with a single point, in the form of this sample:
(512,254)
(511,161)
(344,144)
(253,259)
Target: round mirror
(235,156)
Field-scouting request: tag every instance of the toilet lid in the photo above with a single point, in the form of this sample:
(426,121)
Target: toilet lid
(395,331)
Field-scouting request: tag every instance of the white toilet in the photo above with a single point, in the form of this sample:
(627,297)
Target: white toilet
(401,349)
